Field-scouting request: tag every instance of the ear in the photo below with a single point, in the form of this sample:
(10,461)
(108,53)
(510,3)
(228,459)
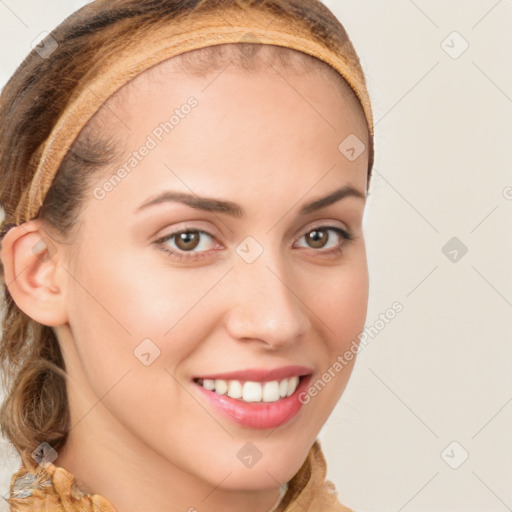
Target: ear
(32,273)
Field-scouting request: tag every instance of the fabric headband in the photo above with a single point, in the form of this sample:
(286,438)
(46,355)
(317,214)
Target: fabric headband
(115,69)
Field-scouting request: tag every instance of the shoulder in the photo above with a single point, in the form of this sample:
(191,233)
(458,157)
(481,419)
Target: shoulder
(32,491)
(51,488)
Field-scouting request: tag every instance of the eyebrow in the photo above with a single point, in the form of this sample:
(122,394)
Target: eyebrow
(235,210)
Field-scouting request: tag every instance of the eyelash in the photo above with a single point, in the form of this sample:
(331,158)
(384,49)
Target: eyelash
(346,236)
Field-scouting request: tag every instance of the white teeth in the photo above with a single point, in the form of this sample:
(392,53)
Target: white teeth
(292,385)
(271,391)
(252,391)
(221,386)
(235,389)
(283,388)
(209,384)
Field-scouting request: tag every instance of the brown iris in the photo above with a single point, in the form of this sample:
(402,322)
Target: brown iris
(187,240)
(317,238)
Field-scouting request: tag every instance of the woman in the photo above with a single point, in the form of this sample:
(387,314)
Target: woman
(183,256)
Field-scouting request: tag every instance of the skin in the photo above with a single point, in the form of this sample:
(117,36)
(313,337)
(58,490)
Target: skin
(268,140)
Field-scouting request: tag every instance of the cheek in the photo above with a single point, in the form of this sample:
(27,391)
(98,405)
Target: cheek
(343,307)
(119,304)
(342,310)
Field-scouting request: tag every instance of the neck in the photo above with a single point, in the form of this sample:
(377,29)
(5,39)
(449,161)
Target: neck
(111,463)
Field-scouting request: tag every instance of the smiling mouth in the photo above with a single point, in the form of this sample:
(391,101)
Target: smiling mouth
(252,391)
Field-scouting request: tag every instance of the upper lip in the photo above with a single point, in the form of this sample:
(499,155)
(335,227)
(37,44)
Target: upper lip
(260,374)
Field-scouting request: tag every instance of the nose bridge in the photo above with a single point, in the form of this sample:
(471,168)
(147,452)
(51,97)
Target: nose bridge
(268,306)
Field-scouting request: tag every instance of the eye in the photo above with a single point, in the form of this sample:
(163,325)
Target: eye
(319,237)
(185,241)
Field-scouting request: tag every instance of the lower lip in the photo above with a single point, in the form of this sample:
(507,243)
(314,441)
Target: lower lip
(258,414)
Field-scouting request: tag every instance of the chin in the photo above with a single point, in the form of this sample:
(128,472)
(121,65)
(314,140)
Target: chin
(266,477)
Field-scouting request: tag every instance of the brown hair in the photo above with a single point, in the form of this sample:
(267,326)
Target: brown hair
(35,409)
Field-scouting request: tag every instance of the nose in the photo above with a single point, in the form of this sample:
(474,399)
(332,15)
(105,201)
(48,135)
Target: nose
(268,303)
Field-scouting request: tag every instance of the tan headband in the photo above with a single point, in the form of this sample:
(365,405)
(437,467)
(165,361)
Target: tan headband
(158,45)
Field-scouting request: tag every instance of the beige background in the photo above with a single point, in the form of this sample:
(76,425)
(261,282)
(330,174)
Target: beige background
(435,383)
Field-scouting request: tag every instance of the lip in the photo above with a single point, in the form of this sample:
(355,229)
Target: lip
(260,374)
(258,415)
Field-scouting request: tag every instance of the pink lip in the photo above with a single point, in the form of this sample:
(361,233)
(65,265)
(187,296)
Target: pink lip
(260,375)
(258,414)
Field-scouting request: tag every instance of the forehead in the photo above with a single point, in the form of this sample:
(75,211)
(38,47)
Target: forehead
(274,125)
(244,58)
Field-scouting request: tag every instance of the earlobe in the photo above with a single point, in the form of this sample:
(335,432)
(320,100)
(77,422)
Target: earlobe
(30,261)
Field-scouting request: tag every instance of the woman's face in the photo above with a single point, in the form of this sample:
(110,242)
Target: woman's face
(256,282)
